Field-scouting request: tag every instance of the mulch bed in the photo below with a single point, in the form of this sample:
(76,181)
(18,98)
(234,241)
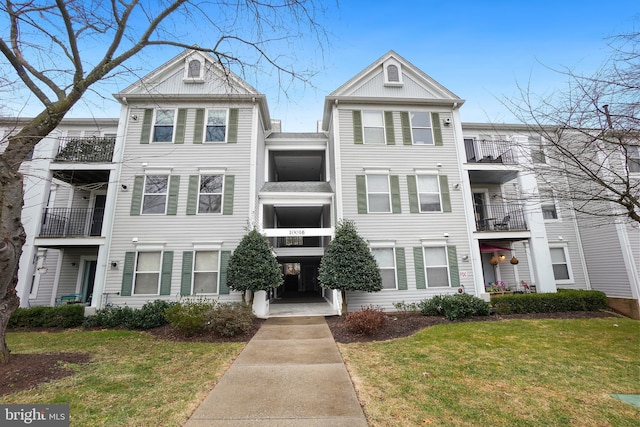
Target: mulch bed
(26,371)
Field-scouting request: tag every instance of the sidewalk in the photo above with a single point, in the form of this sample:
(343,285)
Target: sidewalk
(289,374)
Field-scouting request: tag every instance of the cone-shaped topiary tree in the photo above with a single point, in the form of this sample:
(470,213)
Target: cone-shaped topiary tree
(348,264)
(252,266)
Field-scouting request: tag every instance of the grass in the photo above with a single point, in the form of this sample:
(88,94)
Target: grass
(133,380)
(510,373)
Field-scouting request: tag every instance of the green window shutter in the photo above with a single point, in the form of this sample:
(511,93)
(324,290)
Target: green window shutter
(185,277)
(136,195)
(192,194)
(357,127)
(453,267)
(145,136)
(412,185)
(167,269)
(224,264)
(174,187)
(127,274)
(406,128)
(401,267)
(396,206)
(229,184)
(361,189)
(180,125)
(437,129)
(444,192)
(199,126)
(232,136)
(418,260)
(388,124)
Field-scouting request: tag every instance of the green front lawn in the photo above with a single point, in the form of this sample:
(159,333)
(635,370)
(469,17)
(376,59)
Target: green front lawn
(509,373)
(133,378)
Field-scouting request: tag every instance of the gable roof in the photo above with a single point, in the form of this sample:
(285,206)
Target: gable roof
(218,83)
(369,86)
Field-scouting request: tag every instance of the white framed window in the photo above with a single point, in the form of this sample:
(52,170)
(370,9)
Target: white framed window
(147,273)
(210,193)
(436,265)
(154,196)
(537,150)
(548,204)
(164,125)
(421,129)
(429,193)
(378,193)
(560,264)
(206,268)
(216,126)
(633,158)
(373,124)
(386,259)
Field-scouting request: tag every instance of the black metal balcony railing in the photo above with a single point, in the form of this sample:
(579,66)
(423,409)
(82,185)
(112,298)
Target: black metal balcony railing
(71,222)
(298,241)
(483,151)
(86,150)
(500,217)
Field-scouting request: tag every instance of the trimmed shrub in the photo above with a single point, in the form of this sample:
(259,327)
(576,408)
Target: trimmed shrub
(367,321)
(230,319)
(150,315)
(191,316)
(564,300)
(66,316)
(454,307)
(403,307)
(108,317)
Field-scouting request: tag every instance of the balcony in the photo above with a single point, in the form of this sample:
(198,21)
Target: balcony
(71,222)
(86,150)
(485,151)
(500,217)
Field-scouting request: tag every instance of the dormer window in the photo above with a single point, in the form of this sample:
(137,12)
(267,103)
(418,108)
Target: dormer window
(392,73)
(194,69)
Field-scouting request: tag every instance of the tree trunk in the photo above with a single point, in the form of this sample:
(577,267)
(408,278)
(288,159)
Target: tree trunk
(13,239)
(343,293)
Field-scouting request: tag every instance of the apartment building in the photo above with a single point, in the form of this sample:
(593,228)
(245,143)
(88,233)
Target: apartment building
(195,159)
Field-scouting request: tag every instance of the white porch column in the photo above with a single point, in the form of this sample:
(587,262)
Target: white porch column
(538,244)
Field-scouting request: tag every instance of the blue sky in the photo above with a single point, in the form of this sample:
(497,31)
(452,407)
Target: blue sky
(480,50)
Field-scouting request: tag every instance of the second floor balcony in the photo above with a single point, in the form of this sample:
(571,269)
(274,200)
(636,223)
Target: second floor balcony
(71,222)
(86,150)
(500,217)
(489,151)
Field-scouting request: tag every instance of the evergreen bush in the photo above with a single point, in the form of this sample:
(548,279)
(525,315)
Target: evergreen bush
(65,316)
(454,307)
(563,300)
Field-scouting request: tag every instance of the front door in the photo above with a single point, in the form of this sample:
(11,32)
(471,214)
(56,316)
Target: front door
(98,214)
(88,278)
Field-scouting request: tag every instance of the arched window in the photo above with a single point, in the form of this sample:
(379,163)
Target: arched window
(392,73)
(194,69)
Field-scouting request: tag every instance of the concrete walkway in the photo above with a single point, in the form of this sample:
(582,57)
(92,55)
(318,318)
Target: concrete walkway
(289,374)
